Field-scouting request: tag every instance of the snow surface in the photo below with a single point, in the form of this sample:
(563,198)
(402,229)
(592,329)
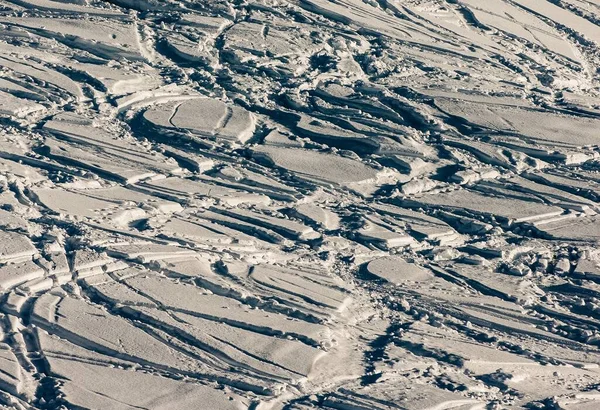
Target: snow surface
(300,204)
